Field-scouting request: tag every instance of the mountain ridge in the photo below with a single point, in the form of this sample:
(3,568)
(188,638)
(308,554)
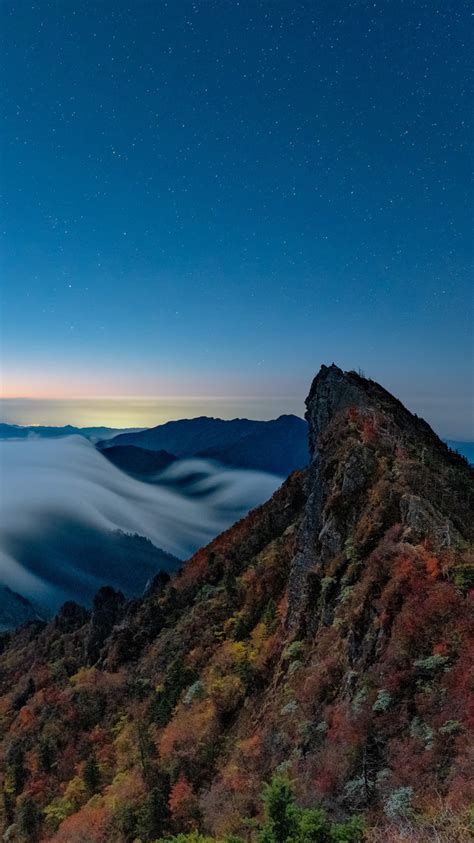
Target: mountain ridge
(17,431)
(326,634)
(278,446)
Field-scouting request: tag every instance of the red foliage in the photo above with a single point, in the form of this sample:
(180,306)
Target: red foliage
(369,432)
(183,804)
(342,727)
(91,823)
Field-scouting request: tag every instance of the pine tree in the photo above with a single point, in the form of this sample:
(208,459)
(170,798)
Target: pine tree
(92,773)
(281,813)
(28,818)
(153,815)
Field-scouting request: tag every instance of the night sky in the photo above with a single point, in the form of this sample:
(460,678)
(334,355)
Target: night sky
(213,198)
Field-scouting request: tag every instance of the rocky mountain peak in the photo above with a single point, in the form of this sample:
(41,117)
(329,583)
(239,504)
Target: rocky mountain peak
(334,390)
(373,463)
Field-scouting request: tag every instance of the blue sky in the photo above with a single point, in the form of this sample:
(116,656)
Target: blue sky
(213,198)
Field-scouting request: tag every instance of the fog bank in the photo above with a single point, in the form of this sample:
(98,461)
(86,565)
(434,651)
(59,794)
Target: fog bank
(61,503)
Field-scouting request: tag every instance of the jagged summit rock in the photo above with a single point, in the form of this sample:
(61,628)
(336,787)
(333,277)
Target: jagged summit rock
(333,390)
(344,469)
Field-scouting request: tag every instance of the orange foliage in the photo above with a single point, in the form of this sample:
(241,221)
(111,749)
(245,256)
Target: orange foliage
(190,731)
(251,747)
(432,566)
(91,824)
(183,804)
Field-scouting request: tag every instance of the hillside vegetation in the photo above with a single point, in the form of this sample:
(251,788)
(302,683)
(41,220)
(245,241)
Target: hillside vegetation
(322,645)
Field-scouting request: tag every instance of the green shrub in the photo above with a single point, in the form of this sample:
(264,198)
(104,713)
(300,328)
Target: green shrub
(195,691)
(383,701)
(464,577)
(192,837)
(398,806)
(281,813)
(285,822)
(431,664)
(351,831)
(270,616)
(419,729)
(451,727)
(313,827)
(294,650)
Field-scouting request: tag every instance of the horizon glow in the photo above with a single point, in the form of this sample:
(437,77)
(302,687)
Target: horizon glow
(202,204)
(135,412)
(132,412)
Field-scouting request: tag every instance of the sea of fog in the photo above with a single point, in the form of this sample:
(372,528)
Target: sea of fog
(62,503)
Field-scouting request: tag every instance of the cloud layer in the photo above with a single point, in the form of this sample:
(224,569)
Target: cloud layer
(59,499)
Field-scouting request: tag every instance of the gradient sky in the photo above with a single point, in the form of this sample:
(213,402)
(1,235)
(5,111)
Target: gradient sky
(213,198)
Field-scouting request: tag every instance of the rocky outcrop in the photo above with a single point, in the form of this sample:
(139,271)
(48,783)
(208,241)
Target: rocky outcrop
(338,477)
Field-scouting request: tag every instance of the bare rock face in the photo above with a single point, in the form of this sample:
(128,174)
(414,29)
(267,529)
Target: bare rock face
(332,390)
(358,470)
(322,535)
(421,520)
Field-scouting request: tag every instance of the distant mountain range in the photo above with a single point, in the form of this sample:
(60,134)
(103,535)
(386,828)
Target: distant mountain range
(279,446)
(16,431)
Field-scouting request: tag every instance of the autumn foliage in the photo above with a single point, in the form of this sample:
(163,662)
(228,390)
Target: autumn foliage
(328,636)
